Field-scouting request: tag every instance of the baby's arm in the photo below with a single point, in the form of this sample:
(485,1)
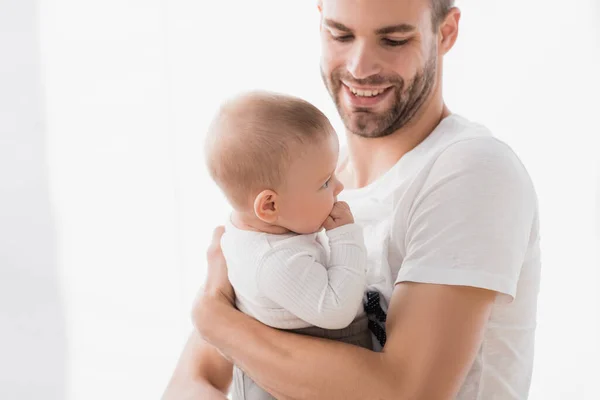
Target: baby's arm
(324,296)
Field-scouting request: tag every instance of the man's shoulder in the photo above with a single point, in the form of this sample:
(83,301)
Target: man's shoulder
(480,158)
(463,146)
(458,131)
(486,150)
(461,163)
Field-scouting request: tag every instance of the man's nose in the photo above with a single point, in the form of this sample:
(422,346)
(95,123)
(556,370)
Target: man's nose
(362,62)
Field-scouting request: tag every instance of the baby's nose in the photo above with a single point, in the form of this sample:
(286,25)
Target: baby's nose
(339,188)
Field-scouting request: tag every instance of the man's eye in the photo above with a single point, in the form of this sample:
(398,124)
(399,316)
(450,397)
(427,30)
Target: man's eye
(394,43)
(344,38)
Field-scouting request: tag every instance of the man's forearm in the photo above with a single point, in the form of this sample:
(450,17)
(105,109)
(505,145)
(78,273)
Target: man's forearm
(192,390)
(434,332)
(201,373)
(292,366)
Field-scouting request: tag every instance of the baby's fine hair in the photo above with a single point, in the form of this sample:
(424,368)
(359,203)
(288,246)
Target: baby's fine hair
(253,138)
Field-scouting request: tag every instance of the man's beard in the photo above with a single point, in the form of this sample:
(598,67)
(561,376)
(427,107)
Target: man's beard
(407,102)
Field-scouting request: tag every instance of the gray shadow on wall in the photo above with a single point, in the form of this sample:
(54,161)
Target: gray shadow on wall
(33,344)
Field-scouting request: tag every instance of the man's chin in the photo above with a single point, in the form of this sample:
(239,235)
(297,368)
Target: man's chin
(361,123)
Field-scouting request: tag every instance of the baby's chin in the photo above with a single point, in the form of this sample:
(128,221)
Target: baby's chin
(322,227)
(311,230)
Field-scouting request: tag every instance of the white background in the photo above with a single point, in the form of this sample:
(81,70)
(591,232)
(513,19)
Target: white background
(124,91)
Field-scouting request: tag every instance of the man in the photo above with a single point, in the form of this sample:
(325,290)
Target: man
(451,221)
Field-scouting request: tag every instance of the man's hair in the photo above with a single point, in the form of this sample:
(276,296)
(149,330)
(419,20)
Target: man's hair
(439,11)
(253,138)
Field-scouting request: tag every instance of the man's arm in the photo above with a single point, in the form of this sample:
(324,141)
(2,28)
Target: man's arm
(429,350)
(201,373)
(471,229)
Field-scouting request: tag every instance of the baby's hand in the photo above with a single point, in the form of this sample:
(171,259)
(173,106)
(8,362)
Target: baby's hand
(340,215)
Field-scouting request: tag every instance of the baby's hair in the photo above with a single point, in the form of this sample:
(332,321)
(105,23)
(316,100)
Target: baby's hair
(252,139)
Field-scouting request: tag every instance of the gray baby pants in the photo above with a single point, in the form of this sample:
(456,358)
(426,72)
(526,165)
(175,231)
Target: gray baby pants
(357,333)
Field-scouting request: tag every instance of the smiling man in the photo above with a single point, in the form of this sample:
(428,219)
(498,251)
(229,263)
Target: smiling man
(451,224)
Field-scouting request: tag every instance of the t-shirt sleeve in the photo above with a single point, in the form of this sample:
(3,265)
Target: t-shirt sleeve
(471,221)
(323,295)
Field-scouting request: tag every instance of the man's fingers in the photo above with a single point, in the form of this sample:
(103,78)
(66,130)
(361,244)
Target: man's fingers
(217,233)
(214,250)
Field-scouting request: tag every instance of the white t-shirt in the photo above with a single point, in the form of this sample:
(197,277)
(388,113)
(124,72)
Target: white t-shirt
(460,209)
(295,281)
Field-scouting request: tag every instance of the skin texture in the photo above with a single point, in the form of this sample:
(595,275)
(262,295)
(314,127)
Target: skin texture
(434,331)
(305,202)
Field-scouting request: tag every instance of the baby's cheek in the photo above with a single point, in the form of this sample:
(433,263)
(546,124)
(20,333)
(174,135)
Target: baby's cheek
(326,210)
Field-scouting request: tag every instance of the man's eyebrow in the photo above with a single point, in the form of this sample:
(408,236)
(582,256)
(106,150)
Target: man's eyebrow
(336,25)
(400,28)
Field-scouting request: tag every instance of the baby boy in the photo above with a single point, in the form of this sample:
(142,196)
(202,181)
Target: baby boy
(295,257)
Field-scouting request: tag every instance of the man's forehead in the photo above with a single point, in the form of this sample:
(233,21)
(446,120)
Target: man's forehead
(375,14)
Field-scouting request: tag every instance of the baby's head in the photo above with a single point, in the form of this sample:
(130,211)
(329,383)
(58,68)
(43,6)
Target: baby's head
(274,157)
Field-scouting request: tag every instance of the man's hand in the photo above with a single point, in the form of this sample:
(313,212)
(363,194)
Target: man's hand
(202,371)
(217,282)
(217,289)
(340,215)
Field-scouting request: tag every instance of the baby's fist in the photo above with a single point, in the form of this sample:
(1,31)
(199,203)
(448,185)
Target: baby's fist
(340,215)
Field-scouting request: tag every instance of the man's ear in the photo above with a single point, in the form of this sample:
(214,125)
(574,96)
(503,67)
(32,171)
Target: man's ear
(320,8)
(266,206)
(449,30)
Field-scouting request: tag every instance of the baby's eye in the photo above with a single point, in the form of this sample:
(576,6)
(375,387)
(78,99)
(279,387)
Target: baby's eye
(326,184)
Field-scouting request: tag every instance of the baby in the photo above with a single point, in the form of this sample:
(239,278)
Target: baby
(274,157)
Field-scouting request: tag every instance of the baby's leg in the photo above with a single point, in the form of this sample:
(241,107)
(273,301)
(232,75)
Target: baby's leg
(244,388)
(357,333)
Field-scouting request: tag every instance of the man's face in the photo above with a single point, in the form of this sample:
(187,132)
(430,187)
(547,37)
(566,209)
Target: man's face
(379,61)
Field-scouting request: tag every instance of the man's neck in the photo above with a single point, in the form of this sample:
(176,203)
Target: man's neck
(247,221)
(370,158)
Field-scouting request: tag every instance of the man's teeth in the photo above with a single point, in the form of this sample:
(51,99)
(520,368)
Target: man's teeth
(366,93)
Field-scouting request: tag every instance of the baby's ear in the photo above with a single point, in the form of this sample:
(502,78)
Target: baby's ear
(266,207)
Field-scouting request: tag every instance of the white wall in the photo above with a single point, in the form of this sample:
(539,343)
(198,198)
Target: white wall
(129,88)
(111,154)
(33,359)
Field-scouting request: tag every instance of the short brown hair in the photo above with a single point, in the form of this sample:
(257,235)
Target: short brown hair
(439,11)
(253,138)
